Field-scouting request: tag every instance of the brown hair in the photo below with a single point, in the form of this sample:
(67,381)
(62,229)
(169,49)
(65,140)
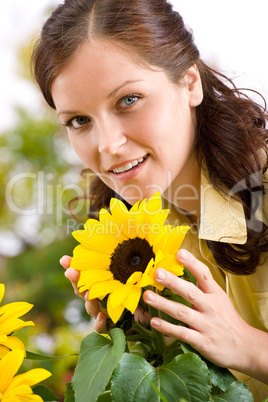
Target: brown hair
(230,126)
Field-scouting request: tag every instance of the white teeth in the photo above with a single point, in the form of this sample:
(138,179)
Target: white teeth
(128,166)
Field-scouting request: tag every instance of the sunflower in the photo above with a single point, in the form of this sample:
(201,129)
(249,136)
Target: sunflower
(120,252)
(18,388)
(10,322)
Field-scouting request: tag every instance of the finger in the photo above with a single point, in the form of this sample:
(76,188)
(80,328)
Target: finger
(92,306)
(65,261)
(200,271)
(72,275)
(100,323)
(188,335)
(174,309)
(181,287)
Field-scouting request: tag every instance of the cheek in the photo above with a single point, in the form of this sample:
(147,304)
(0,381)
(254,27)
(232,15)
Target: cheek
(151,125)
(84,151)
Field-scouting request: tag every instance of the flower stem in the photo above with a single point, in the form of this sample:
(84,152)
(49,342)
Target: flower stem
(158,337)
(145,332)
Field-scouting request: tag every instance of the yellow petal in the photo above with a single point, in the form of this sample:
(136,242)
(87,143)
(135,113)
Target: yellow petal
(152,210)
(157,236)
(16,309)
(9,366)
(118,210)
(12,343)
(11,325)
(148,276)
(124,221)
(171,264)
(84,259)
(30,398)
(103,288)
(104,215)
(2,291)
(18,394)
(117,297)
(30,378)
(146,279)
(134,278)
(96,239)
(173,238)
(153,205)
(114,313)
(133,298)
(117,220)
(89,278)
(110,228)
(3,351)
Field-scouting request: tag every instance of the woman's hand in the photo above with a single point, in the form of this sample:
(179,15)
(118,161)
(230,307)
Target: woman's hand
(92,306)
(215,329)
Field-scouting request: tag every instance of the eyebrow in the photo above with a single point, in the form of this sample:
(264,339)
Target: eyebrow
(113,93)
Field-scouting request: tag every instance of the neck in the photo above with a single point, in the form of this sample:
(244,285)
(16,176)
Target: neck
(185,193)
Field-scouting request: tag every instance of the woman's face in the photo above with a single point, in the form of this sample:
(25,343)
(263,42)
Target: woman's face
(128,122)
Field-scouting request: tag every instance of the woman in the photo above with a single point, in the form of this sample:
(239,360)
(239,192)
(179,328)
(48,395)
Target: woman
(146,114)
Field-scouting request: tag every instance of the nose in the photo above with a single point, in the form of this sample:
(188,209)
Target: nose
(110,136)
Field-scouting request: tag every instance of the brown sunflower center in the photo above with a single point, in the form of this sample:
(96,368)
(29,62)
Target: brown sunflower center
(130,256)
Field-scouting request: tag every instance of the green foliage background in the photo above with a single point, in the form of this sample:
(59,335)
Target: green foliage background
(38,177)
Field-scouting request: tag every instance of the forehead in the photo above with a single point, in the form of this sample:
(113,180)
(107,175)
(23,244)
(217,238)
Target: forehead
(100,66)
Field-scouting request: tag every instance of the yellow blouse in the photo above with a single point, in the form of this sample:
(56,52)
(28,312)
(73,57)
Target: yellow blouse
(223,220)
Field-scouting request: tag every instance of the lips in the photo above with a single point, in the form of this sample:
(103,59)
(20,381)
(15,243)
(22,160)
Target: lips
(130,165)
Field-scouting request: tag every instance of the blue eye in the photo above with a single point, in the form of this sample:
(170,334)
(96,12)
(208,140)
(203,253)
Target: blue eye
(127,101)
(130,100)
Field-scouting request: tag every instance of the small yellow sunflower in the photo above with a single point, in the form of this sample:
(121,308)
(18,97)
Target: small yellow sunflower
(120,252)
(18,388)
(10,322)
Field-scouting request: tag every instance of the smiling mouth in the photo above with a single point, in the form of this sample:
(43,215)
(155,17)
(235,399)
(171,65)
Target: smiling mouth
(130,165)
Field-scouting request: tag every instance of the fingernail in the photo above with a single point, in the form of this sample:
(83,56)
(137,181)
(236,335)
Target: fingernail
(150,297)
(155,322)
(183,255)
(161,276)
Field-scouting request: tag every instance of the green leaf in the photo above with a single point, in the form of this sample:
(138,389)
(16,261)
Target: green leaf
(98,358)
(37,356)
(69,393)
(185,377)
(105,397)
(140,349)
(45,393)
(156,390)
(220,377)
(236,392)
(188,276)
(188,349)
